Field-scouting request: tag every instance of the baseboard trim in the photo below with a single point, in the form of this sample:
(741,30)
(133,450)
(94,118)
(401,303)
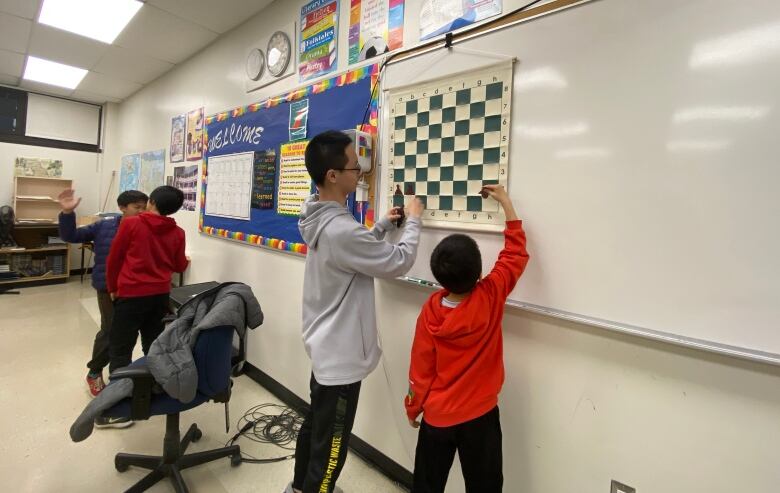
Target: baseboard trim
(387,466)
(78,272)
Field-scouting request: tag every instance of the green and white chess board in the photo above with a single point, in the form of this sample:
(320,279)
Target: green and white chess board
(448,138)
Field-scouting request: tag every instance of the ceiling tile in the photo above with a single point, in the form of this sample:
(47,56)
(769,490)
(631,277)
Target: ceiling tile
(126,64)
(158,34)
(14,33)
(64,47)
(21,8)
(90,97)
(45,88)
(109,86)
(11,63)
(219,17)
(8,80)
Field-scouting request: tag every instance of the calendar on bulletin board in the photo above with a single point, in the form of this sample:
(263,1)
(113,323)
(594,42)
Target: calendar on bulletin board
(254,177)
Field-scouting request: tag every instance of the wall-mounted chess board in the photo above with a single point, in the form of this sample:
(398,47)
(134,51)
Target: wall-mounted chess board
(448,138)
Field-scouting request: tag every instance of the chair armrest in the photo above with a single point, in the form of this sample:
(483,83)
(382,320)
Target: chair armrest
(138,371)
(143,382)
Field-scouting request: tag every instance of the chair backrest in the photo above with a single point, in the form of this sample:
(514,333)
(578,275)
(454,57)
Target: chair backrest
(212,359)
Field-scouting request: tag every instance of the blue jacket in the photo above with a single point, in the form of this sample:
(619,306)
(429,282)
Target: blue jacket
(101,233)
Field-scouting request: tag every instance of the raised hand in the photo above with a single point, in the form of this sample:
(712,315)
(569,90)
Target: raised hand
(68,200)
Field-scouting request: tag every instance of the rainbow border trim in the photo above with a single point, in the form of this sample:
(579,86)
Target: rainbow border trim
(346,78)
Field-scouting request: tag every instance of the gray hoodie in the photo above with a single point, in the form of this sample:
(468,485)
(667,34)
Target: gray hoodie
(339,323)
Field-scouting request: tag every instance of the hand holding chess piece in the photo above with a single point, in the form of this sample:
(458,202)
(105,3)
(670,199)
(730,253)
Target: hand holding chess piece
(498,193)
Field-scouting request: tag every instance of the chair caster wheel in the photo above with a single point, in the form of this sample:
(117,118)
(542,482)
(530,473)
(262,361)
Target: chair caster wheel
(235,460)
(120,466)
(197,435)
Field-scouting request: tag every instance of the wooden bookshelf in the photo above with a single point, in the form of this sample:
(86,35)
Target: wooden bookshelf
(37,210)
(35,198)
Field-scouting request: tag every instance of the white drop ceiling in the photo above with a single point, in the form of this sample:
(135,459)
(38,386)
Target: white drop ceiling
(162,34)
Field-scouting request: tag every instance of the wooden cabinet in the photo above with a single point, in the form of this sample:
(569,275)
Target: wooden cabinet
(35,199)
(36,258)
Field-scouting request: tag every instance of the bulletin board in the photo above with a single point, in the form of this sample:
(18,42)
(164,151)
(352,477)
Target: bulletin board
(271,131)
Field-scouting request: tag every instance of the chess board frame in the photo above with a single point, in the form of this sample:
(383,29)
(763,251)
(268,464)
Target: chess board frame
(492,157)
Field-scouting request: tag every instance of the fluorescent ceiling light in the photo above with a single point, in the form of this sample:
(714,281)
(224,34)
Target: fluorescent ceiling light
(552,131)
(741,47)
(102,20)
(697,145)
(724,113)
(582,153)
(56,74)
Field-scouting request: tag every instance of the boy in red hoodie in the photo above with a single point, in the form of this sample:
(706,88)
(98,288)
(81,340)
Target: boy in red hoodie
(457,365)
(146,251)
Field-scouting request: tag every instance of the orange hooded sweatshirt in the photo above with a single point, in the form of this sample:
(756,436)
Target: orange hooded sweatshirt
(457,365)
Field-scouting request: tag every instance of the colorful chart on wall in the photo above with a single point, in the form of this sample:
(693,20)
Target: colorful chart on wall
(130,172)
(152,171)
(266,175)
(319,28)
(375,27)
(448,138)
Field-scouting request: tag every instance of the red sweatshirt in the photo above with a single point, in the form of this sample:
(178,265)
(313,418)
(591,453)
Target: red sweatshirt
(457,366)
(147,249)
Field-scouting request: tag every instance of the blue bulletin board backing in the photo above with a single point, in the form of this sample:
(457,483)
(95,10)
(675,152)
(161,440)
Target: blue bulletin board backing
(337,103)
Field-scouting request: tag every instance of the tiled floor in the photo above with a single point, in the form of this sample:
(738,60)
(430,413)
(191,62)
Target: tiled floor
(46,337)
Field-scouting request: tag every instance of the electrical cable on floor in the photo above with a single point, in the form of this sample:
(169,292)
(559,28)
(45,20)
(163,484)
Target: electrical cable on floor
(268,423)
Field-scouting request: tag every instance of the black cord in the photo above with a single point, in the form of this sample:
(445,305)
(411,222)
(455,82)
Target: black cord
(268,423)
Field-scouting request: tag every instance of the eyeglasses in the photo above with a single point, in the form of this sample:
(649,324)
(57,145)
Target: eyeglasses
(359,170)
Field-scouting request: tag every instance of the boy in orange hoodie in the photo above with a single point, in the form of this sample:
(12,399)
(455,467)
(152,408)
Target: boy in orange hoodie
(457,365)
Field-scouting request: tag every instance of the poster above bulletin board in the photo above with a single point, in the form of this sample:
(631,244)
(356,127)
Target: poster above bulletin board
(258,150)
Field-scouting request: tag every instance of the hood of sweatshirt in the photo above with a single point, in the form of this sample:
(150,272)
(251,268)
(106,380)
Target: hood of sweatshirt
(157,223)
(459,325)
(315,215)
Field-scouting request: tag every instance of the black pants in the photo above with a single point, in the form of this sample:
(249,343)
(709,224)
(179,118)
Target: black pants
(100,346)
(478,443)
(131,316)
(323,439)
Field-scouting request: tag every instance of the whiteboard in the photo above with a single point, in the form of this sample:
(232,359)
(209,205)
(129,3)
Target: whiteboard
(644,162)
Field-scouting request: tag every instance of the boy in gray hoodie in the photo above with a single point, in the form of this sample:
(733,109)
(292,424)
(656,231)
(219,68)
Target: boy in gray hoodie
(339,320)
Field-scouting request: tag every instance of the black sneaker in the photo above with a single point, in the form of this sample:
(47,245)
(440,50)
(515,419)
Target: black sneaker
(106,422)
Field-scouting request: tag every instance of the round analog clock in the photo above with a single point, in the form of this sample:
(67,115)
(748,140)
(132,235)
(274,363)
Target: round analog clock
(279,53)
(255,64)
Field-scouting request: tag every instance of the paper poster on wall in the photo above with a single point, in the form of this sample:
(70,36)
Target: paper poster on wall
(299,118)
(441,16)
(318,47)
(194,140)
(229,191)
(130,172)
(265,180)
(375,27)
(294,180)
(33,166)
(152,170)
(178,125)
(185,178)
